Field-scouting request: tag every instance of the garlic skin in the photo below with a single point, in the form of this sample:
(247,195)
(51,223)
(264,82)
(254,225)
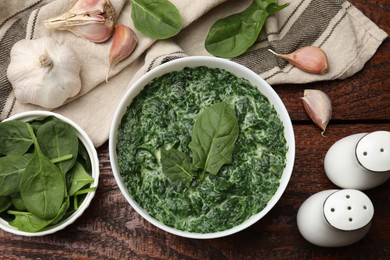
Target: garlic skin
(92,20)
(311,59)
(123,44)
(43,72)
(318,106)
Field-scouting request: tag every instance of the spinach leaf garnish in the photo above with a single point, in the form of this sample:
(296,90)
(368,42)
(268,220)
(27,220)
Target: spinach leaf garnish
(158,19)
(213,137)
(232,36)
(177,166)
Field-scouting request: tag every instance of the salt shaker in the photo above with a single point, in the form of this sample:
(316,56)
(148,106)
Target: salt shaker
(360,161)
(335,218)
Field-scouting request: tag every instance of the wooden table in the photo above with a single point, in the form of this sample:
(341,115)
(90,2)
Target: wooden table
(111,229)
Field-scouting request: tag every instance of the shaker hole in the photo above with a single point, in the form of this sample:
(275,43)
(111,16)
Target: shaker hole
(332,209)
(347,196)
(382,150)
(350,219)
(349,207)
(365,153)
(364,207)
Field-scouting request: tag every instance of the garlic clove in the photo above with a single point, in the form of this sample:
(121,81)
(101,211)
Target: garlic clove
(311,59)
(318,106)
(89,19)
(123,44)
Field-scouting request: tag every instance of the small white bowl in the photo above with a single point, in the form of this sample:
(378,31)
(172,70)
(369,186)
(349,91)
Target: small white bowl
(83,137)
(239,71)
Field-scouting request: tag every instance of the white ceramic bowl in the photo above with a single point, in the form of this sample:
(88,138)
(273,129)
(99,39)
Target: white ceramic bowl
(83,137)
(212,62)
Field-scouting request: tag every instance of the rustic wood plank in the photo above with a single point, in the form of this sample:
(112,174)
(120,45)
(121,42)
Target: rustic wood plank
(111,229)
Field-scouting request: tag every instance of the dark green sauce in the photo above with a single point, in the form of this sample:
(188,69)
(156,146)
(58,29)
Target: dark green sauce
(163,115)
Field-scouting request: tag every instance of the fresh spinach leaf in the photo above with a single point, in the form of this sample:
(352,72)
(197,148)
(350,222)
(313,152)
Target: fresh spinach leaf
(213,137)
(61,213)
(38,122)
(84,158)
(273,7)
(56,139)
(5,203)
(158,19)
(17,202)
(14,138)
(11,167)
(42,185)
(28,156)
(79,180)
(233,35)
(79,196)
(26,221)
(176,165)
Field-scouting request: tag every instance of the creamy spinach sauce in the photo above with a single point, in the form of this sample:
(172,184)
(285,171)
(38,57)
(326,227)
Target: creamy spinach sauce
(163,116)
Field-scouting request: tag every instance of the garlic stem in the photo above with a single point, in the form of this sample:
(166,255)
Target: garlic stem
(45,60)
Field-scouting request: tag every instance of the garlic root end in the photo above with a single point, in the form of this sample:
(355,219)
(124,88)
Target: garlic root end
(45,60)
(275,53)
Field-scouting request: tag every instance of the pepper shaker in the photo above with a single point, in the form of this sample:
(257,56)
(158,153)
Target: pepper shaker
(335,218)
(360,161)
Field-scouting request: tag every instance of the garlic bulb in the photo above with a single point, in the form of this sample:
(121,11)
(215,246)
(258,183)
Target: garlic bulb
(43,72)
(89,19)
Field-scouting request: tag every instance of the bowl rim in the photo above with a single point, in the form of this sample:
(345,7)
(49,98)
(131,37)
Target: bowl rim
(87,142)
(213,62)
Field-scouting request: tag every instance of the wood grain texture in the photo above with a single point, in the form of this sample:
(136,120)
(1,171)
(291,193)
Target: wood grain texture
(111,229)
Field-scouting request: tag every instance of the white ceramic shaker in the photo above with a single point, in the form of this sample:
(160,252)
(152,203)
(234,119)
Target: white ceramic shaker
(360,161)
(335,218)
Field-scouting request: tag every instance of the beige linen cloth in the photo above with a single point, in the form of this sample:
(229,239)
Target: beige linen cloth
(348,37)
